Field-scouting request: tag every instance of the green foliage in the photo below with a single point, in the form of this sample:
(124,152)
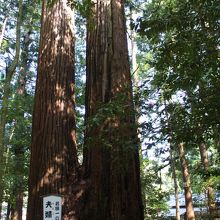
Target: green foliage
(50,3)
(113,117)
(86,10)
(154,196)
(18,121)
(80,73)
(179,95)
(112,129)
(183,38)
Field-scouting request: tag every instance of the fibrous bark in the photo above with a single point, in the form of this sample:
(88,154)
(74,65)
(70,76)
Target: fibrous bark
(111,159)
(54,165)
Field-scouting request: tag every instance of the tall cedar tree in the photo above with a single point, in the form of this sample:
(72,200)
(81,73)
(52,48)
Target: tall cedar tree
(111,157)
(53,151)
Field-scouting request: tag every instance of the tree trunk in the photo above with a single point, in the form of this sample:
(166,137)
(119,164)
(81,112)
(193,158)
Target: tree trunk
(5,10)
(204,156)
(6,94)
(205,163)
(173,166)
(134,66)
(16,209)
(3,30)
(173,161)
(218,147)
(111,159)
(18,187)
(190,215)
(19,148)
(54,165)
(8,212)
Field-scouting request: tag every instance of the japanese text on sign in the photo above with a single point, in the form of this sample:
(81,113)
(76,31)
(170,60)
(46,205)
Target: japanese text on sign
(52,208)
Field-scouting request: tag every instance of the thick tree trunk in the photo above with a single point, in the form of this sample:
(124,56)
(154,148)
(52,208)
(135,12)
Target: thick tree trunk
(54,165)
(190,215)
(176,188)
(6,94)
(111,157)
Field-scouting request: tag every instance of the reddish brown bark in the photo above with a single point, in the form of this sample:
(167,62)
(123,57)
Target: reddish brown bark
(53,166)
(190,215)
(111,155)
(16,209)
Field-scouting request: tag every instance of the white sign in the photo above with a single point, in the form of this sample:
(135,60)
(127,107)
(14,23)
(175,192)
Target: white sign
(52,207)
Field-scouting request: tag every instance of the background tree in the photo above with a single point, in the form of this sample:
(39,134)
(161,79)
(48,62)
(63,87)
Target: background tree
(21,144)
(183,38)
(10,71)
(19,102)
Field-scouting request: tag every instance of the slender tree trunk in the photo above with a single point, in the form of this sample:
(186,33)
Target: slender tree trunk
(134,66)
(190,215)
(19,149)
(173,166)
(218,147)
(5,10)
(111,157)
(4,108)
(18,187)
(173,162)
(16,210)
(54,165)
(216,131)
(3,30)
(8,211)
(205,163)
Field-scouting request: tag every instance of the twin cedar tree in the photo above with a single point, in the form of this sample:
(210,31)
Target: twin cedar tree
(107,185)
